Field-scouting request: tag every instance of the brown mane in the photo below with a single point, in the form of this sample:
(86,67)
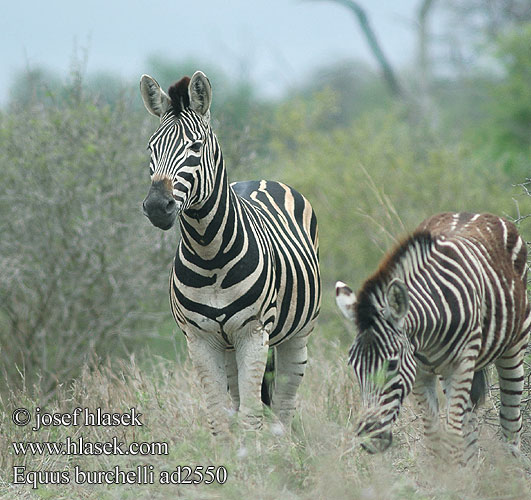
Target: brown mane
(178,92)
(365,310)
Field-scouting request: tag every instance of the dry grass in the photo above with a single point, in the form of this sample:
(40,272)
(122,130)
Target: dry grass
(319,460)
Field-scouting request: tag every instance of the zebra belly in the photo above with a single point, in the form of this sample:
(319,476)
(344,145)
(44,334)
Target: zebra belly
(221,329)
(497,335)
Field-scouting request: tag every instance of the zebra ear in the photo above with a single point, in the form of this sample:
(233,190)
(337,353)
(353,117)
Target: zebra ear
(397,300)
(200,92)
(345,300)
(155,99)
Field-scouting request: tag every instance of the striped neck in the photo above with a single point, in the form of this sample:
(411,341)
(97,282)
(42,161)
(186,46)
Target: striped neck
(207,230)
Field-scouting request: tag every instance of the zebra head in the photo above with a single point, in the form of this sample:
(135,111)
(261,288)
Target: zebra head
(381,356)
(184,151)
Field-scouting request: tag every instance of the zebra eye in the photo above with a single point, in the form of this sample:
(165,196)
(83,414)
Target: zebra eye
(196,146)
(392,364)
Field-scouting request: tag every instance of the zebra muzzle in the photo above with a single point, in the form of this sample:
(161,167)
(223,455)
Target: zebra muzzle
(378,443)
(374,438)
(160,207)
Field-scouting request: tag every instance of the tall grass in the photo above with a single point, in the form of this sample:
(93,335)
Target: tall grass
(320,459)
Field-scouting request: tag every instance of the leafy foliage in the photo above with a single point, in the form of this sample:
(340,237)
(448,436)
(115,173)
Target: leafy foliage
(512,96)
(374,180)
(77,259)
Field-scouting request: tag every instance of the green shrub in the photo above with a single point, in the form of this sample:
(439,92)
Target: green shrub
(372,182)
(78,260)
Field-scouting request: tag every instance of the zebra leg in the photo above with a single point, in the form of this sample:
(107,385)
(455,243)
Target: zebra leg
(232,378)
(457,389)
(425,392)
(470,432)
(209,362)
(290,365)
(511,377)
(251,356)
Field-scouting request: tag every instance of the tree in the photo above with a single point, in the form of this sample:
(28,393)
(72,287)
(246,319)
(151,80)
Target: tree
(385,66)
(424,12)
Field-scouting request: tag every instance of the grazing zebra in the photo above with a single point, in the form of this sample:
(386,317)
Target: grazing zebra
(448,301)
(246,274)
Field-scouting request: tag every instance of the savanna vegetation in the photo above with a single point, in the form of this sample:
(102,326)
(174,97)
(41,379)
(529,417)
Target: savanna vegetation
(84,313)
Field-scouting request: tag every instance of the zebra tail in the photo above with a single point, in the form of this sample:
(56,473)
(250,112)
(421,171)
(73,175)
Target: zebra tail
(478,392)
(269,378)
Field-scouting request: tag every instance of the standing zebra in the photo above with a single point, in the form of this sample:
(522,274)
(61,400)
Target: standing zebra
(448,301)
(246,274)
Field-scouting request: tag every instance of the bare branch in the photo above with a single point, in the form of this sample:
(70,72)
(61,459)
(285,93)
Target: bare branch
(424,11)
(387,71)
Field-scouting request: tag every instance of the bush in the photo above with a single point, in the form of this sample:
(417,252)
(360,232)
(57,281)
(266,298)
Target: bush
(74,277)
(373,181)
(512,96)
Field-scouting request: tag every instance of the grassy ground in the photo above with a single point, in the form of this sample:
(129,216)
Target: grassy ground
(319,459)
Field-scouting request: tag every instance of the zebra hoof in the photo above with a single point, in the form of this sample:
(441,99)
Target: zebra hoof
(277,429)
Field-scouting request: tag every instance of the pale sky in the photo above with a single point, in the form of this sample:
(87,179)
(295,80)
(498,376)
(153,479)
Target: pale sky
(279,42)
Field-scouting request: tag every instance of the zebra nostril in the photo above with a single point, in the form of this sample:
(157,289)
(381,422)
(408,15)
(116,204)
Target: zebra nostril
(170,206)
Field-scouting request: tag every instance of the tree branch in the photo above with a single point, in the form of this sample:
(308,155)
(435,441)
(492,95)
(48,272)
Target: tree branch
(385,66)
(423,13)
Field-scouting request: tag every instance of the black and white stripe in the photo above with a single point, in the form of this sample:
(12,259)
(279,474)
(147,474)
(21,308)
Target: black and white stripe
(447,302)
(246,273)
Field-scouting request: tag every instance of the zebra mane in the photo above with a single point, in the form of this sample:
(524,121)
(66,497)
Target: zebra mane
(178,92)
(376,284)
